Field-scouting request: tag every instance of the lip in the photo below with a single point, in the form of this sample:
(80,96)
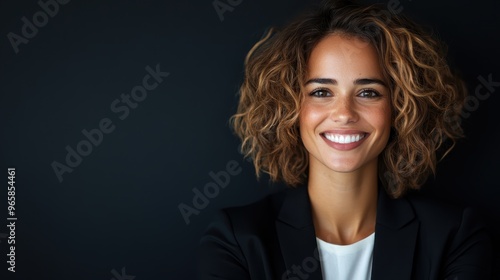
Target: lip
(341,146)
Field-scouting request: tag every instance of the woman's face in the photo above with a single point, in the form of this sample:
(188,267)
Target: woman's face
(345,119)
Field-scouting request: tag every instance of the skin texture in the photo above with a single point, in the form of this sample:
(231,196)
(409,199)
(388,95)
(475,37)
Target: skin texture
(345,93)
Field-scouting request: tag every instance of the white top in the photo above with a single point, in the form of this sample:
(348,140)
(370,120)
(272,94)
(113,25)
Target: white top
(347,262)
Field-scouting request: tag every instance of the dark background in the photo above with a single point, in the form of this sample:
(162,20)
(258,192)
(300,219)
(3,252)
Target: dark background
(119,207)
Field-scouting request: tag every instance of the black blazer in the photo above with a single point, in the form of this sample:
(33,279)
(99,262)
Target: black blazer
(415,238)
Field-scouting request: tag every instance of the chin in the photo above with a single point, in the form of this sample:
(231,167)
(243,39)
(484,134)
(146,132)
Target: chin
(343,167)
(348,165)
(344,170)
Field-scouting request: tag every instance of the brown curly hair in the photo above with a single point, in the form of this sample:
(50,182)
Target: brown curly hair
(426,96)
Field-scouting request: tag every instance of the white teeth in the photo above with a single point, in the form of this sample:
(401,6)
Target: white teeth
(344,139)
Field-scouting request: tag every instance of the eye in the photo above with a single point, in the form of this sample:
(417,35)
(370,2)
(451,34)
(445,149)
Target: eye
(321,93)
(369,93)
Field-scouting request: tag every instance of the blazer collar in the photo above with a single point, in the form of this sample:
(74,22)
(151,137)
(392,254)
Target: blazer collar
(395,237)
(295,230)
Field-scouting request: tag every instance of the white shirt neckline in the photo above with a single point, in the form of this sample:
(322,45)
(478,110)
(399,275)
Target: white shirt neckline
(347,249)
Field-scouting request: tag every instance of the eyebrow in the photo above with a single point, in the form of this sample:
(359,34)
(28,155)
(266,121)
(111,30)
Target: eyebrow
(364,81)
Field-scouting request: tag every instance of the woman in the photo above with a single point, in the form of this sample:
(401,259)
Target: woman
(349,106)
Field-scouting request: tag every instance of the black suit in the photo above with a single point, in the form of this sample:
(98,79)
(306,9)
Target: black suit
(415,238)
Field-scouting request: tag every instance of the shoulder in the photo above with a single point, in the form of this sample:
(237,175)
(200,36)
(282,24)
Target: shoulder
(428,208)
(453,235)
(462,230)
(440,214)
(258,214)
(235,234)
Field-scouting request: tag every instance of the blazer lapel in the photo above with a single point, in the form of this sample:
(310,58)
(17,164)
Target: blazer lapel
(297,237)
(395,239)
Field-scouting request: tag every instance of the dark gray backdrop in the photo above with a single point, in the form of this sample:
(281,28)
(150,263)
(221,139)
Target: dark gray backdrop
(116,214)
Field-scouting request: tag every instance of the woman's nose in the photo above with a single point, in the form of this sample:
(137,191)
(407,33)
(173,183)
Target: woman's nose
(344,111)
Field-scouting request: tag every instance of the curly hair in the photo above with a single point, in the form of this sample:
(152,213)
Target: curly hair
(426,96)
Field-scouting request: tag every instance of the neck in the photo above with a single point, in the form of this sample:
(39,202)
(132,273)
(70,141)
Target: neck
(344,205)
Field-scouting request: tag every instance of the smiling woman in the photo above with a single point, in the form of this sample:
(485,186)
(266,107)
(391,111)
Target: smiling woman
(330,105)
(345,117)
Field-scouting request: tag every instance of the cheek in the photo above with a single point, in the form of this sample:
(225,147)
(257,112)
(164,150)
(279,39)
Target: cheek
(382,119)
(310,116)
(387,115)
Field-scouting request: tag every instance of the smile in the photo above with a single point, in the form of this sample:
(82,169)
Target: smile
(343,138)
